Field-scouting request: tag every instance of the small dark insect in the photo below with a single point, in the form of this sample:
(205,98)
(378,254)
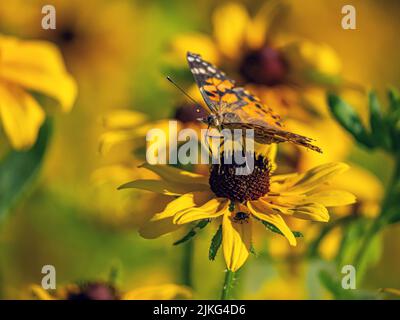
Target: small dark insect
(241,217)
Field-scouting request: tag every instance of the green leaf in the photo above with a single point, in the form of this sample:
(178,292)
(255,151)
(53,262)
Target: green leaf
(18,170)
(380,132)
(349,119)
(215,244)
(192,232)
(393,117)
(351,243)
(272,228)
(394,99)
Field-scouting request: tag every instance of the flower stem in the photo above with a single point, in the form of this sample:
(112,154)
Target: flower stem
(187,263)
(228,284)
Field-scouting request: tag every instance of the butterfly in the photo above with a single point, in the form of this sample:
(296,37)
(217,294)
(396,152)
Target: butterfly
(233,107)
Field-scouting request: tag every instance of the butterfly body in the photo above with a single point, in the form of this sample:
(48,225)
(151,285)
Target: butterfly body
(233,107)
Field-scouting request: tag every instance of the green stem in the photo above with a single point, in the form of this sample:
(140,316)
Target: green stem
(228,285)
(187,263)
(384,216)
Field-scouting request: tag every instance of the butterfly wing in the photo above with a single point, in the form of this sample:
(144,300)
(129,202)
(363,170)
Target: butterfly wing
(266,134)
(240,109)
(212,82)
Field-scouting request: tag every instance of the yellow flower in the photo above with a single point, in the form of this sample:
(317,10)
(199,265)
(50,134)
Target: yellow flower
(106,291)
(239,201)
(249,49)
(30,66)
(82,27)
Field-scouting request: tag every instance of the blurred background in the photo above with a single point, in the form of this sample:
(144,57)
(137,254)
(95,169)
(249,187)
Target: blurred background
(119,53)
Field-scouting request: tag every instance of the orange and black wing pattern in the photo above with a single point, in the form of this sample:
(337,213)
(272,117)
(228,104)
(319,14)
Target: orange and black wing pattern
(213,84)
(240,109)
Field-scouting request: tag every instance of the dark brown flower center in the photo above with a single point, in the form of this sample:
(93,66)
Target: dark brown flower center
(225,182)
(189,113)
(265,66)
(94,291)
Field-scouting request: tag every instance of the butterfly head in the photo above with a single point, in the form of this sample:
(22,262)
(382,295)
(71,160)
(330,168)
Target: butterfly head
(212,120)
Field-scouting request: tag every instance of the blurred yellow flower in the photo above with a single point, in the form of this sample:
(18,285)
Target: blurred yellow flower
(312,61)
(106,291)
(128,129)
(92,36)
(124,126)
(30,66)
(240,200)
(249,49)
(122,210)
(289,288)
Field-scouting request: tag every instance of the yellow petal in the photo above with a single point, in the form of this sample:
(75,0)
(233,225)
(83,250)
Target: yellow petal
(263,212)
(164,187)
(311,179)
(112,138)
(135,134)
(332,198)
(236,242)
(361,182)
(160,292)
(162,222)
(307,60)
(310,211)
(183,202)
(173,174)
(38,66)
(40,293)
(210,210)
(229,25)
(297,206)
(21,116)
(123,119)
(157,228)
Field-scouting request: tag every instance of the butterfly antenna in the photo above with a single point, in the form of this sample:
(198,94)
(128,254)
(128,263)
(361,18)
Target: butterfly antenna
(184,92)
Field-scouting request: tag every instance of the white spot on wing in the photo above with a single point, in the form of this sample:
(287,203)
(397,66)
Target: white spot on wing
(211,69)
